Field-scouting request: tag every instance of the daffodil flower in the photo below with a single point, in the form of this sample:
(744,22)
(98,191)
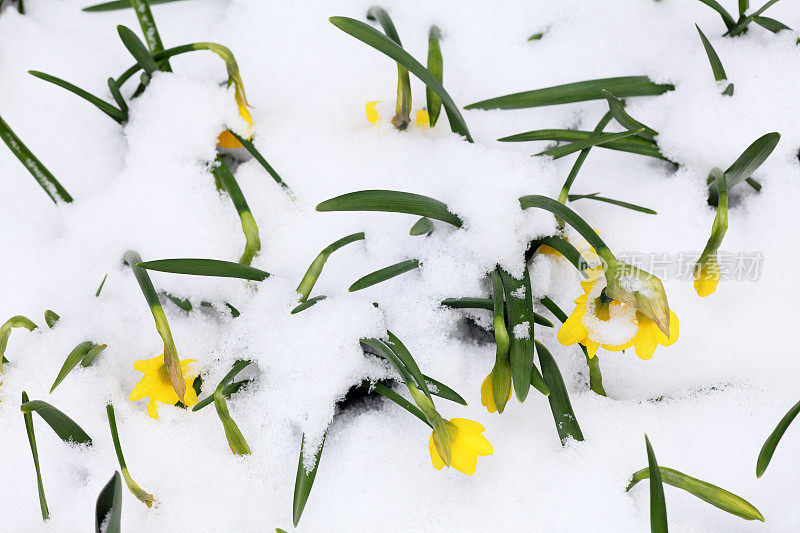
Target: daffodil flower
(487,392)
(601,321)
(226,140)
(466,444)
(156,386)
(422,119)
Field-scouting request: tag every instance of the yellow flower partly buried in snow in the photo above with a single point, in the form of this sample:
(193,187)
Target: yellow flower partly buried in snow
(156,385)
(373,115)
(422,119)
(228,141)
(706,276)
(487,392)
(466,444)
(601,321)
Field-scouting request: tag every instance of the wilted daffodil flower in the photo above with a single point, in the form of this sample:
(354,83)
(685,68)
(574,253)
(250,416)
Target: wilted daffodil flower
(466,444)
(706,276)
(602,320)
(156,386)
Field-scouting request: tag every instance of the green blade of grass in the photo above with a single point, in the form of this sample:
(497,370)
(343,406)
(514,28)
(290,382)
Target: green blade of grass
(388,393)
(563,415)
(623,87)
(620,203)
(233,434)
(51,318)
(108,509)
(372,37)
(625,120)
(75,356)
(392,202)
(66,428)
(436,67)
(149,30)
(315,268)
(402,116)
(576,166)
(744,5)
(35,452)
(771,24)
(441,390)
(577,146)
(383,274)
(304,480)
(741,25)
(206,267)
(727,19)
(141,494)
(100,287)
(716,65)
(137,49)
(658,504)
(249,227)
(747,163)
(43,177)
(716,496)
(765,455)
(117,114)
(120,4)
(636,145)
(92,354)
(405,357)
(250,147)
(308,303)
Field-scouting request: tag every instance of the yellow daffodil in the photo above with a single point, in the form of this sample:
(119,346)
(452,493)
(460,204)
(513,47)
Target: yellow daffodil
(487,393)
(156,386)
(372,112)
(601,321)
(422,119)
(228,141)
(706,277)
(466,444)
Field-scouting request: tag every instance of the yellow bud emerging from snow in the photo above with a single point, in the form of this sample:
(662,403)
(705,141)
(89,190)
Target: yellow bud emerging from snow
(706,276)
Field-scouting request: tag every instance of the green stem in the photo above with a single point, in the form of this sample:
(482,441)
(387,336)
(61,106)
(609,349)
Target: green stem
(315,269)
(158,56)
(252,241)
(141,494)
(573,173)
(34,451)
(250,147)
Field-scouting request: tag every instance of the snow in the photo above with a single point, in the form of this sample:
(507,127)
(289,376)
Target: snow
(707,402)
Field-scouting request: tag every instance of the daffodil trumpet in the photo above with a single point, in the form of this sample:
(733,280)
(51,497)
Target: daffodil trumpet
(402,117)
(624,282)
(706,270)
(171,361)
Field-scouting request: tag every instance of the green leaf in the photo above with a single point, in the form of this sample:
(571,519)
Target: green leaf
(304,480)
(315,268)
(744,5)
(713,58)
(594,196)
(51,318)
(707,492)
(149,30)
(35,452)
(308,303)
(623,87)
(423,226)
(108,509)
(576,166)
(206,267)
(92,354)
(625,120)
(408,361)
(441,390)
(99,103)
(388,393)
(765,455)
(486,303)
(771,24)
(43,177)
(372,37)
(236,440)
(100,288)
(566,249)
(519,306)
(741,25)
(561,407)
(392,202)
(381,349)
(747,163)
(227,392)
(726,17)
(561,151)
(75,356)
(120,4)
(435,67)
(18,321)
(252,241)
(402,116)
(658,505)
(250,147)
(137,49)
(141,494)
(383,274)
(64,426)
(635,145)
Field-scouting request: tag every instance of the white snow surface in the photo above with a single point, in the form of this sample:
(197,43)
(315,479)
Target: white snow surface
(707,402)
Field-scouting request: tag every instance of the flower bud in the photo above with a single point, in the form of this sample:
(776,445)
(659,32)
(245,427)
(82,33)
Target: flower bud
(639,289)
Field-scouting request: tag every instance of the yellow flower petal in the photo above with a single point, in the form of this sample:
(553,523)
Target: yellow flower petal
(372,112)
(157,387)
(422,119)
(487,394)
(437,461)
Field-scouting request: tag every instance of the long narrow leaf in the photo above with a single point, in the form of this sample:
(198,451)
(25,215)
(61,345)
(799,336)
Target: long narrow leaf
(372,37)
(137,49)
(120,4)
(388,393)
(304,480)
(561,151)
(64,426)
(383,274)
(726,17)
(206,267)
(393,202)
(566,249)
(99,103)
(435,67)
(315,268)
(765,455)
(46,180)
(408,361)
(75,356)
(563,415)
(35,452)
(716,65)
(441,390)
(250,147)
(252,240)
(747,163)
(108,509)
(625,120)
(658,504)
(635,145)
(716,496)
(623,87)
(594,196)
